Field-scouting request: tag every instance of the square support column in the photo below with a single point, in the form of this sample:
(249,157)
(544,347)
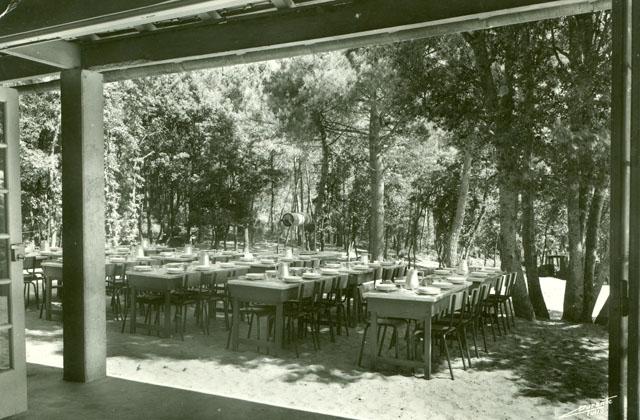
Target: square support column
(83,232)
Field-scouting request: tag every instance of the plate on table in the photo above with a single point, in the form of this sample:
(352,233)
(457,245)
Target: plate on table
(428,290)
(175,270)
(330,271)
(386,287)
(142,268)
(456,279)
(292,279)
(443,284)
(479,274)
(441,272)
(309,275)
(255,276)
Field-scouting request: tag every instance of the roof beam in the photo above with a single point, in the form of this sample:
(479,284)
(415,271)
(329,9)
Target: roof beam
(338,25)
(17,69)
(42,20)
(60,54)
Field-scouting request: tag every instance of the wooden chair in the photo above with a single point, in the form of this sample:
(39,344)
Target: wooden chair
(447,326)
(394,323)
(30,279)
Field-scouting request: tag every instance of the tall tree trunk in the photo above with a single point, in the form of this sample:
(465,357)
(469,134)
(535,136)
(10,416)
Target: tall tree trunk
(574,288)
(530,254)
(591,249)
(450,255)
(247,241)
(501,108)
(376,179)
(509,252)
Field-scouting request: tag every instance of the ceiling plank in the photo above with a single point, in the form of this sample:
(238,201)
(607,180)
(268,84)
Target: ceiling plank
(283,4)
(304,26)
(60,54)
(41,20)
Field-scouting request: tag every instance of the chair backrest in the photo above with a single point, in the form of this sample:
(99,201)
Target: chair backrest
(29,263)
(510,282)
(364,288)
(499,284)
(474,300)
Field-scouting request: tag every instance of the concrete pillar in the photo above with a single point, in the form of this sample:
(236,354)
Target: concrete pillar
(83,233)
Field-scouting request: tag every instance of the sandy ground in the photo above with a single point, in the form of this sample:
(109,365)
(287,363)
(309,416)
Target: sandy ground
(543,370)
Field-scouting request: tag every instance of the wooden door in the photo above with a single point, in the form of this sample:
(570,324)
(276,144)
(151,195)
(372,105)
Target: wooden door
(13,374)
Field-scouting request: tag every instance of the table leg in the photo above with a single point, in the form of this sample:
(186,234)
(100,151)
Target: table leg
(235,324)
(373,340)
(133,309)
(167,314)
(279,324)
(47,307)
(427,345)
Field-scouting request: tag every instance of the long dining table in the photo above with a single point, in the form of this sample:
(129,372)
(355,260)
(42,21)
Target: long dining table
(160,280)
(270,292)
(407,304)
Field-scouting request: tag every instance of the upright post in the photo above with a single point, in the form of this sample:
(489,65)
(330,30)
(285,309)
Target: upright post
(83,234)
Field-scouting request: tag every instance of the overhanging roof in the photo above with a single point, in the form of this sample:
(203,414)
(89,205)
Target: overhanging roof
(133,38)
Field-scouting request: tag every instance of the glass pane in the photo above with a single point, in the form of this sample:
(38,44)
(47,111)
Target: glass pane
(2,137)
(4,304)
(3,214)
(5,350)
(3,166)
(4,259)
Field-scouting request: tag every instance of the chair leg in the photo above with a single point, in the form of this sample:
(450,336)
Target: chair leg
(465,342)
(381,342)
(364,336)
(446,352)
(464,363)
(474,334)
(484,336)
(511,308)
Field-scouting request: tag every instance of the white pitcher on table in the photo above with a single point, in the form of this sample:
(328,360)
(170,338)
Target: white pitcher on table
(283,270)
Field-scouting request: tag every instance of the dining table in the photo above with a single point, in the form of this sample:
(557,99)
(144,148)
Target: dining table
(53,271)
(158,280)
(408,304)
(275,292)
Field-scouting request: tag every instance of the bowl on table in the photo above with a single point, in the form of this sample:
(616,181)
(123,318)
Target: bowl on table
(442,284)
(386,287)
(292,279)
(142,268)
(311,275)
(174,270)
(456,279)
(174,265)
(332,265)
(330,271)
(203,267)
(255,276)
